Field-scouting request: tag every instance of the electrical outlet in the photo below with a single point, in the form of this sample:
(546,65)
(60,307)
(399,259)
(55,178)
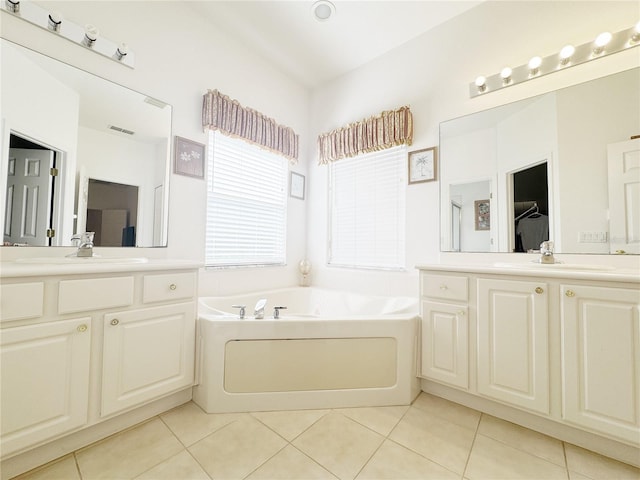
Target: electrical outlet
(593,237)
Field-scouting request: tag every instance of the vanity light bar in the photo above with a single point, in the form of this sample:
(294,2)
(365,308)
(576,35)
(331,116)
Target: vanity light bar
(569,56)
(87,37)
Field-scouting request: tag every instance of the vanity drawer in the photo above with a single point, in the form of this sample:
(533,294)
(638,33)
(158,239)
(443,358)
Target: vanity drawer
(21,300)
(167,287)
(447,287)
(94,294)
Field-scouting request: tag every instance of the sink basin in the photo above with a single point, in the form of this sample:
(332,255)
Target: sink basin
(556,266)
(82,260)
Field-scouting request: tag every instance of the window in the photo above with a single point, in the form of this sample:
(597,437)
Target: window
(246,204)
(367,210)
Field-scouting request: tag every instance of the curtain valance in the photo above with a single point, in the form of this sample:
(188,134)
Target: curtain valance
(219,112)
(388,129)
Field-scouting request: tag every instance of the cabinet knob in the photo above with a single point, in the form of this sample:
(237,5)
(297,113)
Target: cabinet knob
(462,313)
(82,328)
(173,286)
(570,293)
(539,290)
(115,321)
(443,287)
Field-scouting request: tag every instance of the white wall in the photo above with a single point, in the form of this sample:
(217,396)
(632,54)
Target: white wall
(432,74)
(179,56)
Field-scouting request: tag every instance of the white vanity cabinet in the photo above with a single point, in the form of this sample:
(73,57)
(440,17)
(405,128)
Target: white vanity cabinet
(601,359)
(445,328)
(80,347)
(554,350)
(513,353)
(45,381)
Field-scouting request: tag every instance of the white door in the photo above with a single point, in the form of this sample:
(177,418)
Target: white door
(445,343)
(28,204)
(513,358)
(601,359)
(45,381)
(624,196)
(147,353)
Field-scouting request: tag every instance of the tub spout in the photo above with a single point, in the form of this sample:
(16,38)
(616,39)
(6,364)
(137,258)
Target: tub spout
(276,312)
(258,311)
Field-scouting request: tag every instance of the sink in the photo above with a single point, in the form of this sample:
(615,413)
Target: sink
(82,260)
(556,266)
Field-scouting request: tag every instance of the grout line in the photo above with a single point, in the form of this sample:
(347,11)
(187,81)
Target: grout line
(75,459)
(566,464)
(475,435)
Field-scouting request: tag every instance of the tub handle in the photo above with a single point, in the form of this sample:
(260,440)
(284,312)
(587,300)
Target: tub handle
(242,310)
(276,311)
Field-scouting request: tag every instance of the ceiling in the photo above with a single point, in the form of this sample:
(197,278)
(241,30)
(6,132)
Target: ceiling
(314,52)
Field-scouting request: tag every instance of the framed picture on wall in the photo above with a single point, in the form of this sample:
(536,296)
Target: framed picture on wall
(296,185)
(482,214)
(422,165)
(188,157)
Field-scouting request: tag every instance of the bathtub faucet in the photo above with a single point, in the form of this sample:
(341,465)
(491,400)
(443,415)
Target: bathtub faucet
(241,312)
(258,312)
(276,312)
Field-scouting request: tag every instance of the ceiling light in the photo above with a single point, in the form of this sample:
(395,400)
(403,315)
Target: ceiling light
(323,10)
(601,41)
(566,53)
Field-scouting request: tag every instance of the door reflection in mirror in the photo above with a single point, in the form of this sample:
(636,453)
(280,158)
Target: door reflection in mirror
(112,212)
(530,207)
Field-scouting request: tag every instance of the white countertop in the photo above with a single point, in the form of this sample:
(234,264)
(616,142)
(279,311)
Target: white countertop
(34,269)
(562,270)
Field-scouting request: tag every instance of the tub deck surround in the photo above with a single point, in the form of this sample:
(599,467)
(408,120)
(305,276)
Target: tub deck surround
(329,349)
(553,349)
(107,344)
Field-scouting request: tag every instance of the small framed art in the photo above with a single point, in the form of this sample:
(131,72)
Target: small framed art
(189,158)
(296,185)
(482,213)
(422,165)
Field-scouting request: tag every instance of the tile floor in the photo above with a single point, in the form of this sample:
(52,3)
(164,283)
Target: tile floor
(432,439)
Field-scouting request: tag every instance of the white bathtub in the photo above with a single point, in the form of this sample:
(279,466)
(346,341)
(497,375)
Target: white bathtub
(329,349)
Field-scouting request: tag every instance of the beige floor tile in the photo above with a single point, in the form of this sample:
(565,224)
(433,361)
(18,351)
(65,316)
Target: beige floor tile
(453,412)
(522,438)
(61,469)
(493,460)
(339,444)
(433,437)
(237,449)
(190,423)
(598,467)
(181,466)
(290,464)
(378,419)
(290,424)
(393,461)
(129,453)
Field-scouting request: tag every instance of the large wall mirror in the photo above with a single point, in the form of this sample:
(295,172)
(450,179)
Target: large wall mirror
(80,153)
(561,166)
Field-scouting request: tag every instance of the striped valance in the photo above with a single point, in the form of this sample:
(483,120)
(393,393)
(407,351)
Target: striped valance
(221,113)
(382,131)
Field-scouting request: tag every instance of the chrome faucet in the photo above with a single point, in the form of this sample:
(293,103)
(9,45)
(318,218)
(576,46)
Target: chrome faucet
(258,311)
(84,242)
(276,312)
(546,252)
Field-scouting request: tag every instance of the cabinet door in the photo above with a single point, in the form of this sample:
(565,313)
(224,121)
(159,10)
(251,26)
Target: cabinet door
(146,354)
(445,343)
(513,358)
(601,360)
(45,381)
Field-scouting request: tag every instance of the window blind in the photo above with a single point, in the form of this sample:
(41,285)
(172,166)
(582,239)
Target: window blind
(246,204)
(367,210)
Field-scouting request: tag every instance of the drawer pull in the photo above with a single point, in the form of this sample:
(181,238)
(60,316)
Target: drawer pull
(173,286)
(444,287)
(539,290)
(570,293)
(82,328)
(115,322)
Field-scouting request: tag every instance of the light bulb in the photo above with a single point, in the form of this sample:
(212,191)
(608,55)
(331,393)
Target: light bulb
(481,83)
(121,51)
(534,65)
(506,75)
(54,21)
(13,6)
(90,35)
(566,53)
(601,41)
(635,36)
